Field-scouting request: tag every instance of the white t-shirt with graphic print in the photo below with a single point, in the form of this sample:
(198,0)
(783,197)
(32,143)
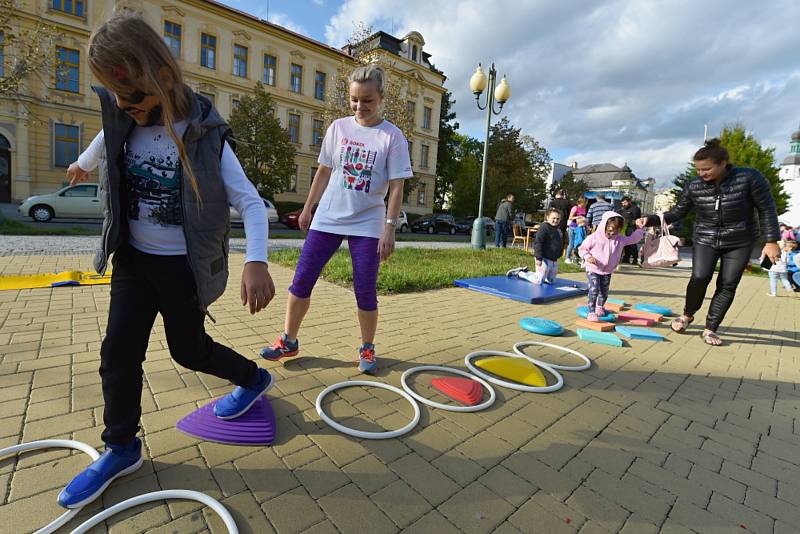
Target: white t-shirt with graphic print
(363,159)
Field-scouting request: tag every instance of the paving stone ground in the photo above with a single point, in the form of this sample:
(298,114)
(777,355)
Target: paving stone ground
(655,437)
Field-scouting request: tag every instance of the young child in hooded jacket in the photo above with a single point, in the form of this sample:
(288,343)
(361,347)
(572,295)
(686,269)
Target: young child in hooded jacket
(601,252)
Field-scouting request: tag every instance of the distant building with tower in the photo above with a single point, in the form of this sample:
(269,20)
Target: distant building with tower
(790,174)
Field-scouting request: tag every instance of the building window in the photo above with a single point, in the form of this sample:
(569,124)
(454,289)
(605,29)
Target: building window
(270,63)
(240,61)
(427,113)
(313,174)
(208,51)
(319,85)
(411,108)
(172,36)
(294,127)
(317,132)
(424,156)
(70,7)
(293,180)
(411,152)
(234,104)
(296,81)
(421,195)
(67,70)
(211,97)
(65,145)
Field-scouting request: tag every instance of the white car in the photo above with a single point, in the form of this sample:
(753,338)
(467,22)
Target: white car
(272,213)
(80,201)
(402,222)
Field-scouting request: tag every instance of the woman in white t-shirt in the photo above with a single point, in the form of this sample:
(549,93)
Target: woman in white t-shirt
(362,158)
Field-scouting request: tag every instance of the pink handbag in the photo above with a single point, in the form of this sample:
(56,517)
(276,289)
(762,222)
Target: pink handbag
(660,251)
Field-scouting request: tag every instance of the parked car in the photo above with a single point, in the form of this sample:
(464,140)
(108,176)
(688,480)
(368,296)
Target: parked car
(80,201)
(291,219)
(272,213)
(465,224)
(433,224)
(402,222)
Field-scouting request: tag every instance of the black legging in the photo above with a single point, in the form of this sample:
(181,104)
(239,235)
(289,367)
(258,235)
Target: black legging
(704,260)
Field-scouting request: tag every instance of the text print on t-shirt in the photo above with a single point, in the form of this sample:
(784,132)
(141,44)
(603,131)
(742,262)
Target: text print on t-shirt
(357,162)
(153,185)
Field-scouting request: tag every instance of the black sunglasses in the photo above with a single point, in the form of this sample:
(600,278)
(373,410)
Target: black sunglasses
(135,97)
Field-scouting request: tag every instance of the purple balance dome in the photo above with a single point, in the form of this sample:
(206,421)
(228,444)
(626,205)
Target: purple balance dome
(255,427)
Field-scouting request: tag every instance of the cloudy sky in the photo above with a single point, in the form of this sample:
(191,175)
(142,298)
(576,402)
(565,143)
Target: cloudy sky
(606,81)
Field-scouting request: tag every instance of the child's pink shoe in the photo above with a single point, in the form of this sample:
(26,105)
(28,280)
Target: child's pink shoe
(600,311)
(592,316)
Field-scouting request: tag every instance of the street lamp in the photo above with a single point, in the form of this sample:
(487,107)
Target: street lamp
(501,93)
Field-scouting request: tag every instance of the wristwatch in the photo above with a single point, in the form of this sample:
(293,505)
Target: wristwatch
(393,222)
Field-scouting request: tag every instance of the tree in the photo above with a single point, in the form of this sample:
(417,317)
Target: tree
(746,151)
(29,52)
(515,165)
(395,87)
(263,146)
(573,188)
(446,157)
(684,228)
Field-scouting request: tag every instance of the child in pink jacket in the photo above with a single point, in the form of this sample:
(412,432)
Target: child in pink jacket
(601,252)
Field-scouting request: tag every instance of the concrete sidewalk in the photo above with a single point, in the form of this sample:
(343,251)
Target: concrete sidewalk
(655,437)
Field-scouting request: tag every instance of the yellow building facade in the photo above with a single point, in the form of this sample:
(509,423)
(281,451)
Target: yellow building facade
(223,53)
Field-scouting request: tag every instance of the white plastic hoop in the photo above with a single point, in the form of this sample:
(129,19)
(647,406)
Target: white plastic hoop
(67,516)
(448,407)
(514,385)
(360,433)
(212,503)
(518,348)
(215,505)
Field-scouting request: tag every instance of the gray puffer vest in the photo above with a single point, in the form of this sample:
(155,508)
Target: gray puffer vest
(206,222)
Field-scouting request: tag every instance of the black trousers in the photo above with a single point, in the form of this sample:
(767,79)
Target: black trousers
(704,261)
(143,285)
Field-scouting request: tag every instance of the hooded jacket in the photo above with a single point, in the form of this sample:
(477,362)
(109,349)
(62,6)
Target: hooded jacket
(548,243)
(607,252)
(206,222)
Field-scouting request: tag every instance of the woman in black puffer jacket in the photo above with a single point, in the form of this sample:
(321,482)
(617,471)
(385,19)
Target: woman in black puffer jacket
(725,200)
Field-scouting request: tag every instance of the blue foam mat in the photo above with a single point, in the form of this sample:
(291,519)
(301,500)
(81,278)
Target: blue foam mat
(522,290)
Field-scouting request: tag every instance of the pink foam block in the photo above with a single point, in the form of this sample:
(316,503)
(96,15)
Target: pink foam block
(641,322)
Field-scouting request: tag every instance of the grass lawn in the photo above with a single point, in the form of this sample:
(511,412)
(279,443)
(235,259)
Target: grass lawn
(410,270)
(9,227)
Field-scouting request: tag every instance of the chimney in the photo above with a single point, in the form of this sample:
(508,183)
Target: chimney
(574,164)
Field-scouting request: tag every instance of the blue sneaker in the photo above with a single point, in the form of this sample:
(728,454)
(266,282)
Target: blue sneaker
(116,461)
(241,399)
(367,363)
(282,348)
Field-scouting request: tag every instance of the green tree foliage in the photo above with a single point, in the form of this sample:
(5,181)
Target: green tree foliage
(447,162)
(262,144)
(685,228)
(517,164)
(573,188)
(746,151)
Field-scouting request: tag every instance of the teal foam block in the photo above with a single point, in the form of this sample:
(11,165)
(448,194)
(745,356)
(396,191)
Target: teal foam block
(638,332)
(603,338)
(653,308)
(545,327)
(583,311)
(617,301)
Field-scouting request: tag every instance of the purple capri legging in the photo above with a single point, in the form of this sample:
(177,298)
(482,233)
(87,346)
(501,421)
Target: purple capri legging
(318,250)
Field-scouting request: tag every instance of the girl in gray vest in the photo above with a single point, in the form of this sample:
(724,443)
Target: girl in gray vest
(168,176)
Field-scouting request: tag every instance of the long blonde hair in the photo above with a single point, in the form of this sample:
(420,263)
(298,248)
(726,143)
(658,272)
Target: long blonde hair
(126,54)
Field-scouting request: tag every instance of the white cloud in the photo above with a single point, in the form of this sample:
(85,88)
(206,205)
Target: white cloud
(318,2)
(282,19)
(616,81)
